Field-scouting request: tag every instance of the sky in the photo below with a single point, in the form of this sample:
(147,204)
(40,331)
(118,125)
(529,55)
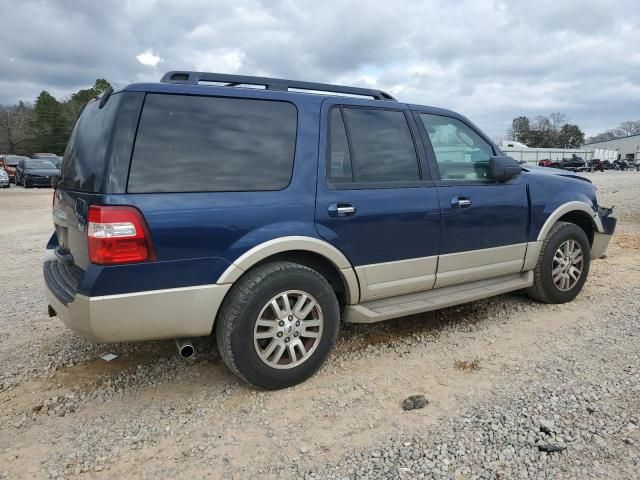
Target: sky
(489,60)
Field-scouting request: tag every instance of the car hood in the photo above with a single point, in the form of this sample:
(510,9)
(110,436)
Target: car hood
(554,171)
(46,172)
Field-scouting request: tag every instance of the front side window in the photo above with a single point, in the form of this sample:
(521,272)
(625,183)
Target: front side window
(379,148)
(213,144)
(460,152)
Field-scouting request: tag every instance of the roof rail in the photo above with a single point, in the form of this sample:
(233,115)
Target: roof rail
(193,78)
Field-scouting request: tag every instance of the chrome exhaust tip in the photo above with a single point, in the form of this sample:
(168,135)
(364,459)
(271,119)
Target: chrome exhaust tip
(185,347)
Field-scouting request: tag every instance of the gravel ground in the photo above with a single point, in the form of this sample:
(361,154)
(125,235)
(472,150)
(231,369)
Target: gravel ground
(515,389)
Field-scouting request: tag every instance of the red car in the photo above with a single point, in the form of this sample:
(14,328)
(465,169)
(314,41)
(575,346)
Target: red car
(9,163)
(545,162)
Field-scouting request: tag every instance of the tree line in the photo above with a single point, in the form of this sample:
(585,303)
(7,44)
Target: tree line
(45,125)
(625,129)
(552,131)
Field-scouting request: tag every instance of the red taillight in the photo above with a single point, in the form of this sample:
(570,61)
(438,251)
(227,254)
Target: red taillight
(118,235)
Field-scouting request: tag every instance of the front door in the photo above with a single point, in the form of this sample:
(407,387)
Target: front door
(484,223)
(375,200)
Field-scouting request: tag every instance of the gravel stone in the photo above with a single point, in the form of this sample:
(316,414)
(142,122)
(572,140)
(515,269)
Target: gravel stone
(562,403)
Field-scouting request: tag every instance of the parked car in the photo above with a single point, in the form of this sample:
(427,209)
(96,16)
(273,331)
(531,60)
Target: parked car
(36,172)
(267,217)
(545,162)
(56,159)
(4,178)
(9,163)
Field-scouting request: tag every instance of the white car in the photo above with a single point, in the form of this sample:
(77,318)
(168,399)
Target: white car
(4,178)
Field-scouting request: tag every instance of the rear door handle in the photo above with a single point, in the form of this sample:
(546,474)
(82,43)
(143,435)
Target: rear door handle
(342,210)
(460,202)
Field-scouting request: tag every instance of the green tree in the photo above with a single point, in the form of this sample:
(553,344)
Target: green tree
(520,130)
(49,124)
(546,132)
(82,97)
(571,136)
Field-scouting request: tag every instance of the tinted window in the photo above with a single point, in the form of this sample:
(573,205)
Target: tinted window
(86,156)
(188,144)
(461,153)
(382,148)
(339,157)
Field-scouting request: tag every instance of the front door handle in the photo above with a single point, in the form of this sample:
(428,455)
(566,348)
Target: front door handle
(460,202)
(342,210)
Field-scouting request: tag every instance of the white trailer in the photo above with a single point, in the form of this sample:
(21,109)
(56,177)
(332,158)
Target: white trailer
(604,154)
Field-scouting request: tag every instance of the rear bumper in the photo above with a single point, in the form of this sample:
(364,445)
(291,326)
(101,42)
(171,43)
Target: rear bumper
(150,315)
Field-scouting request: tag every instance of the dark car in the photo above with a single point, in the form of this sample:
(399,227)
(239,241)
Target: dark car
(266,218)
(10,162)
(36,172)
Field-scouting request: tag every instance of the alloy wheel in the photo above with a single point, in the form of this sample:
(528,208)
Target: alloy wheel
(288,329)
(568,263)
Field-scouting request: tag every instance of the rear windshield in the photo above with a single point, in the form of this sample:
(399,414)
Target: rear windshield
(214,144)
(86,156)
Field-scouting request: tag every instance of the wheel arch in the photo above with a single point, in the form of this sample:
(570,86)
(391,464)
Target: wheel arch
(578,213)
(311,252)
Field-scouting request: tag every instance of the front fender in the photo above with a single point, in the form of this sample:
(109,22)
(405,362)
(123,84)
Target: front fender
(553,196)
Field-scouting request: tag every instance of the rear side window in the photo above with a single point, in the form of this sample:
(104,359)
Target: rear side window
(86,157)
(215,144)
(381,147)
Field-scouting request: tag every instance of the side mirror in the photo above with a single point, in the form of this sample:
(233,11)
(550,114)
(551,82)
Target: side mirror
(502,168)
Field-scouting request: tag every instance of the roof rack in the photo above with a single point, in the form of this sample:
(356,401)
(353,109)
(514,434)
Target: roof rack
(193,78)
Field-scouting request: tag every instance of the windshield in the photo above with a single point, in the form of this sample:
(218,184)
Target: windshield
(40,164)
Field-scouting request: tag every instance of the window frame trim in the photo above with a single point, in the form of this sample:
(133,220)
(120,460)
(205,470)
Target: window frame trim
(421,182)
(231,97)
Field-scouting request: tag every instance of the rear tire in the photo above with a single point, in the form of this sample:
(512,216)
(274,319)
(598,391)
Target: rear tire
(563,265)
(268,307)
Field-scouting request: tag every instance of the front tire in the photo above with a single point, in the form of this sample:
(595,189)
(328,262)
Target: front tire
(277,325)
(563,265)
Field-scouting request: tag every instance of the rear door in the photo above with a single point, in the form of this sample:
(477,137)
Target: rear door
(375,199)
(484,222)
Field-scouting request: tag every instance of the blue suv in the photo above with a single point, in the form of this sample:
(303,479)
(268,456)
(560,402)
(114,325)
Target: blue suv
(266,212)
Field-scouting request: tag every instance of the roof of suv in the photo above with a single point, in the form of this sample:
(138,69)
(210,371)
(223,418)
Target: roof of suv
(190,82)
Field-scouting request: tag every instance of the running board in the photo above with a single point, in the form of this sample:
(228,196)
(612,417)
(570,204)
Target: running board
(412,303)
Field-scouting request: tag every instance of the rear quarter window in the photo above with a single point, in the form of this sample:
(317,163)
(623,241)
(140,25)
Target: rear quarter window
(87,154)
(215,144)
